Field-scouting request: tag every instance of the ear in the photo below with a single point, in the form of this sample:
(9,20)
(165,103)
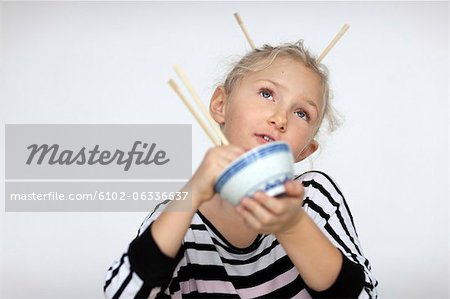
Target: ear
(217,105)
(309,150)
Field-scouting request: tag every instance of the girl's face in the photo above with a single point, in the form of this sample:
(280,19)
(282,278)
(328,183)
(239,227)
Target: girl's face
(282,102)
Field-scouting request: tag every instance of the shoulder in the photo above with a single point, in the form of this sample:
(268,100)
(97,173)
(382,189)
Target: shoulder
(315,180)
(197,221)
(152,216)
(323,196)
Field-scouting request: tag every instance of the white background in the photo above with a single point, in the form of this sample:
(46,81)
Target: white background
(104,62)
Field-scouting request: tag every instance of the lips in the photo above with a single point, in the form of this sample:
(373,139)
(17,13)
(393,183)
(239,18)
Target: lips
(265,138)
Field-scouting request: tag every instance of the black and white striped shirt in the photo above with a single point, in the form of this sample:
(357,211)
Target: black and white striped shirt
(208,266)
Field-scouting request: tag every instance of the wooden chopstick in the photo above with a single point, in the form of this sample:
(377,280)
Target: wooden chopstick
(333,42)
(324,53)
(202,123)
(244,30)
(190,88)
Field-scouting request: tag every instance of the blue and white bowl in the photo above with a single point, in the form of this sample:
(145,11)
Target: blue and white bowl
(264,168)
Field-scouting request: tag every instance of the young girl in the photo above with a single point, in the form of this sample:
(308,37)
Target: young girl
(301,245)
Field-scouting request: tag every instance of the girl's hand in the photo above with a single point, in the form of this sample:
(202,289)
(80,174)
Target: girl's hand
(266,214)
(215,161)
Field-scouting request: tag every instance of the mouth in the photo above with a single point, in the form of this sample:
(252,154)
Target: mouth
(264,138)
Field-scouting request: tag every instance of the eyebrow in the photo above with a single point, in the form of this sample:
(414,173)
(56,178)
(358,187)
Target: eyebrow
(309,102)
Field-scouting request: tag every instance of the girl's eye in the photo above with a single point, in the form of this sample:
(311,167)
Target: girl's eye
(302,114)
(266,93)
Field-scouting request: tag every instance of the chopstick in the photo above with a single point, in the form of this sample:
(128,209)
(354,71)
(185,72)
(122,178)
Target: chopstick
(202,123)
(333,42)
(244,30)
(322,55)
(182,74)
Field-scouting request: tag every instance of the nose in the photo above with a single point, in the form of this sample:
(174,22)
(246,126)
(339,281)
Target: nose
(279,119)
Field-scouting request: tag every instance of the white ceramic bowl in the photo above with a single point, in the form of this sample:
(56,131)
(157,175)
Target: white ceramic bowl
(263,168)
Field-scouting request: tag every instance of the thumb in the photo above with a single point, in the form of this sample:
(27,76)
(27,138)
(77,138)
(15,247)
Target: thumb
(294,188)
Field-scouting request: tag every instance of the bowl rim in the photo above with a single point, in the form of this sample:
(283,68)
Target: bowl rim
(248,158)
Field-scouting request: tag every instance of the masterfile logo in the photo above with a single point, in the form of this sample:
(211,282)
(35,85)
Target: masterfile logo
(54,155)
(66,167)
(98,151)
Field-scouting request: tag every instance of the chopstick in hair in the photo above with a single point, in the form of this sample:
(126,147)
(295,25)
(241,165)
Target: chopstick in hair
(244,30)
(202,123)
(333,42)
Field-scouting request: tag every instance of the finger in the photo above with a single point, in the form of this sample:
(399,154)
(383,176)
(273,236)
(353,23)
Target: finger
(270,203)
(227,157)
(230,154)
(259,211)
(294,188)
(236,150)
(249,218)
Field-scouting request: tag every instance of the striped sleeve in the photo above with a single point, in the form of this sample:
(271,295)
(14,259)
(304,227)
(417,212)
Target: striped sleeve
(326,205)
(143,270)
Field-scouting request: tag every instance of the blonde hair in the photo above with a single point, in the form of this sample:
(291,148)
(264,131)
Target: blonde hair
(261,58)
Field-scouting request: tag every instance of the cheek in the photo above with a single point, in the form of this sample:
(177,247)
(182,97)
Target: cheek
(231,118)
(235,115)
(298,139)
